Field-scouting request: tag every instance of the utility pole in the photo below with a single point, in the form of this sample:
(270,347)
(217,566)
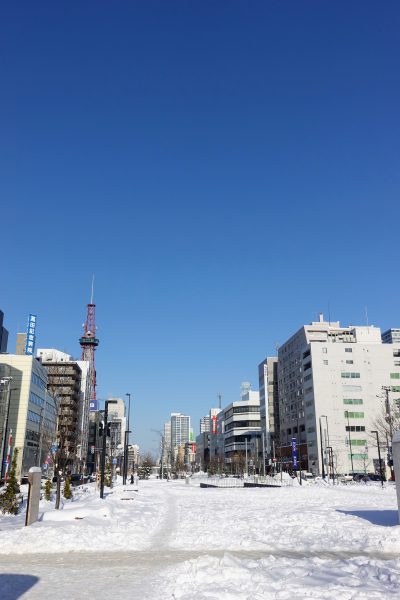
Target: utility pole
(103,454)
(379,455)
(263,449)
(5,381)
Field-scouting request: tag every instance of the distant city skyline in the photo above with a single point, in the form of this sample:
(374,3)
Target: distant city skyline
(226,171)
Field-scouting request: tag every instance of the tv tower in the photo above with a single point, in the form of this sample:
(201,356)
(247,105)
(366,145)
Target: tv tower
(89,343)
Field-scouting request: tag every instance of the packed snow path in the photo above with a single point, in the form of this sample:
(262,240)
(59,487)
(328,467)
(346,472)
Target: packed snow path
(180,541)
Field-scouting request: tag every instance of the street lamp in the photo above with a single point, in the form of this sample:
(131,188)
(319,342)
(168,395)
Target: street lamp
(6,381)
(126,443)
(327,445)
(322,448)
(379,455)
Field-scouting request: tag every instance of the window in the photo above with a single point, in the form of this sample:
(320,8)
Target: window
(308,377)
(33,417)
(307,366)
(351,375)
(358,456)
(306,353)
(353,415)
(352,401)
(358,442)
(396,352)
(397,363)
(325,362)
(355,428)
(349,362)
(351,388)
(348,349)
(35,399)
(394,375)
(395,388)
(324,350)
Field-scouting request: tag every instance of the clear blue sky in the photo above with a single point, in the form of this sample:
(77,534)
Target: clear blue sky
(226,169)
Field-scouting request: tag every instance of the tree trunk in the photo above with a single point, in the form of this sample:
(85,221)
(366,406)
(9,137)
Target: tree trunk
(58,492)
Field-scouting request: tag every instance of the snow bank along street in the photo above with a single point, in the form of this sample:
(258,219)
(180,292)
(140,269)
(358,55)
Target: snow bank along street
(171,540)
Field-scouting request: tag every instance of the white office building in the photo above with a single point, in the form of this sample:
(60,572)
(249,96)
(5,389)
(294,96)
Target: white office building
(180,430)
(330,381)
(242,429)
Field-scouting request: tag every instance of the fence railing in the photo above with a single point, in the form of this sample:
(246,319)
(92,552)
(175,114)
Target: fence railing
(241,482)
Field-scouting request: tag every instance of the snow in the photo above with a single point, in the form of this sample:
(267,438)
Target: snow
(172,540)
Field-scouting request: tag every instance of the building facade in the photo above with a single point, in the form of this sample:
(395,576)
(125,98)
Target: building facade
(242,433)
(28,412)
(3,335)
(330,380)
(269,405)
(180,430)
(64,383)
(391,336)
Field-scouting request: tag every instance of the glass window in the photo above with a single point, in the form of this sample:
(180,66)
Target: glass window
(352,401)
(348,349)
(394,375)
(351,375)
(353,415)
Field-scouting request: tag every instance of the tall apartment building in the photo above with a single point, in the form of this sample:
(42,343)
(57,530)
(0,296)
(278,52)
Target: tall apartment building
(31,411)
(64,383)
(180,430)
(117,419)
(3,335)
(391,336)
(269,404)
(205,424)
(329,378)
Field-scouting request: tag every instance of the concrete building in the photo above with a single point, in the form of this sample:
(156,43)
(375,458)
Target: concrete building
(205,424)
(64,383)
(269,404)
(20,344)
(329,378)
(242,433)
(3,335)
(391,336)
(180,430)
(28,412)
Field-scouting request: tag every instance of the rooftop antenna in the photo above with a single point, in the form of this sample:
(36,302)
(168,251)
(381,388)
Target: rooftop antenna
(366,316)
(219,396)
(329,312)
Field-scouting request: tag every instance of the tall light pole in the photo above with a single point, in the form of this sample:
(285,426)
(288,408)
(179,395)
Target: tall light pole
(322,448)
(6,381)
(126,452)
(379,455)
(328,444)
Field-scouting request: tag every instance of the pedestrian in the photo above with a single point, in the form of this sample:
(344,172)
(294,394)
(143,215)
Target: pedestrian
(131,478)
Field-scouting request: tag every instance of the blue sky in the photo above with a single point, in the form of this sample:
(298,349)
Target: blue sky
(227,171)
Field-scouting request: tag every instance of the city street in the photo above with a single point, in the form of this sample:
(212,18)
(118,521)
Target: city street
(180,541)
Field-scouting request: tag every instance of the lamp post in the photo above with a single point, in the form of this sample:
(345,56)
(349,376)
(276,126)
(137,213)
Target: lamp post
(322,448)
(126,443)
(351,447)
(379,455)
(6,381)
(327,445)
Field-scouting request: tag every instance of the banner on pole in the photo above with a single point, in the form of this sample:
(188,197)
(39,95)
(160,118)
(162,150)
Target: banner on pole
(294,452)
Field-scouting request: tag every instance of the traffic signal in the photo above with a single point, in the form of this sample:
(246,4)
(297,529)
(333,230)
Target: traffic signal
(101,428)
(108,429)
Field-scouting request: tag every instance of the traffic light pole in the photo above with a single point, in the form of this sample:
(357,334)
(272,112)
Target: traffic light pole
(103,454)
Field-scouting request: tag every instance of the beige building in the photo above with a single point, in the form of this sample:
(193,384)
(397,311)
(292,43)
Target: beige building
(31,411)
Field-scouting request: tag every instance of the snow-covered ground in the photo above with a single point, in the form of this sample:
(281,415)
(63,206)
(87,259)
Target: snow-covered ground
(170,540)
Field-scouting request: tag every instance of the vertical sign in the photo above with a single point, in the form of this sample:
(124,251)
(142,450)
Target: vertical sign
(294,453)
(30,335)
(214,424)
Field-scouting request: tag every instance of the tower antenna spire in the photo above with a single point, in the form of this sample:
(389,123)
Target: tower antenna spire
(91,295)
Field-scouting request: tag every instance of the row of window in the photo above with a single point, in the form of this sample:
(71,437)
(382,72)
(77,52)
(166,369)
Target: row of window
(394,375)
(38,381)
(351,375)
(353,415)
(358,456)
(358,442)
(35,399)
(357,428)
(33,417)
(241,409)
(352,401)
(238,424)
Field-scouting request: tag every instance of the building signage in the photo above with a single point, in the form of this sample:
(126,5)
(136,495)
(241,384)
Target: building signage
(294,453)
(214,424)
(93,405)
(30,335)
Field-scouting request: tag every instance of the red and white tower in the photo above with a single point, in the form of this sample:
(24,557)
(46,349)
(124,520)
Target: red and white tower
(89,343)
